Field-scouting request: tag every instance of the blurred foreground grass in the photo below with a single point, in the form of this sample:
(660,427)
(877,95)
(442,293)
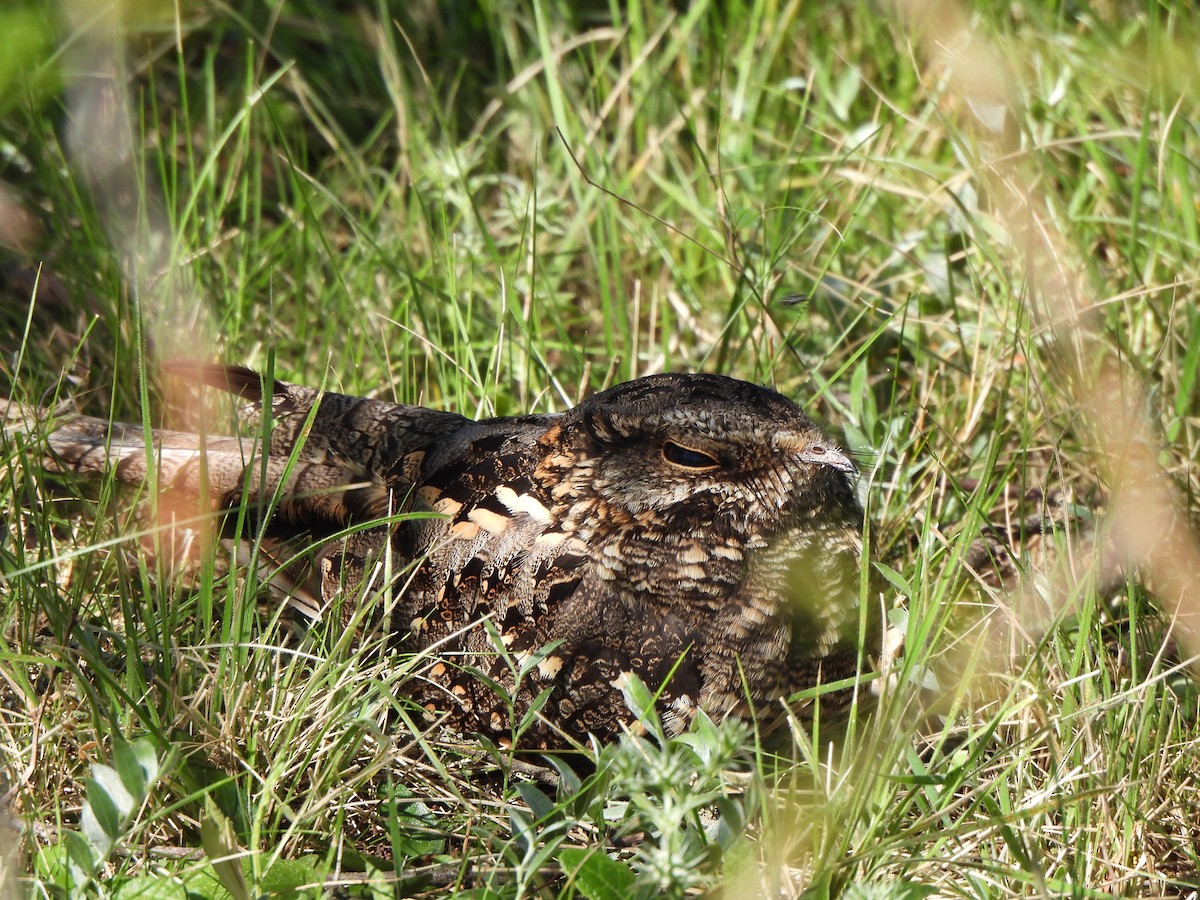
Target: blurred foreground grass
(385,197)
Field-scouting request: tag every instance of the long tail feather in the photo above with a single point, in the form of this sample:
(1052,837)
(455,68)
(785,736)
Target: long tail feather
(217,472)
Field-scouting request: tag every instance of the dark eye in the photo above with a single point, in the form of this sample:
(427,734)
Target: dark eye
(687,457)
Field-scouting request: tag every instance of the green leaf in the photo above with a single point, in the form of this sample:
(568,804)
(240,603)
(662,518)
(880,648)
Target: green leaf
(108,780)
(845,90)
(193,883)
(596,874)
(203,883)
(412,826)
(221,847)
(287,876)
(732,822)
(640,701)
(541,805)
(895,579)
(27,40)
(82,861)
(100,820)
(52,864)
(890,890)
(535,708)
(859,391)
(150,887)
(521,826)
(568,779)
(137,764)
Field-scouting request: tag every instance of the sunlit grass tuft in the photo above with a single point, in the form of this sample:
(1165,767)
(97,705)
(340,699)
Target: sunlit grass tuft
(503,210)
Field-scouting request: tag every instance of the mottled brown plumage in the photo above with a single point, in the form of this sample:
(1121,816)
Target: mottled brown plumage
(697,531)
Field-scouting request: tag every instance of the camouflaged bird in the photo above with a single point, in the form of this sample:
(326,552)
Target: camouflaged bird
(694,530)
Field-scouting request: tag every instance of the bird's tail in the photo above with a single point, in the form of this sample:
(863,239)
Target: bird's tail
(281,494)
(208,473)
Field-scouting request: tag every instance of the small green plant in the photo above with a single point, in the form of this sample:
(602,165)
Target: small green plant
(665,810)
(116,795)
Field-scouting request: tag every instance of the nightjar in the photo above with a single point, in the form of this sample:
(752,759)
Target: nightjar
(694,530)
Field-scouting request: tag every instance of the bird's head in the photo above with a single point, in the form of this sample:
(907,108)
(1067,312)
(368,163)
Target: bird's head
(704,453)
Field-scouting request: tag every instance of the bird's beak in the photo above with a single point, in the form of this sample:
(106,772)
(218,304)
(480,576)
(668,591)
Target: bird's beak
(826,455)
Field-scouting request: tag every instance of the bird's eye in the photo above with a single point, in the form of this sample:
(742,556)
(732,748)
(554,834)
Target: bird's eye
(687,457)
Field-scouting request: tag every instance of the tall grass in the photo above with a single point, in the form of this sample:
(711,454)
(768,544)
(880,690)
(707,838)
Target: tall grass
(497,208)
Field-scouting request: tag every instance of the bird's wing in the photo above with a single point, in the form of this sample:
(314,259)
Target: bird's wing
(496,544)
